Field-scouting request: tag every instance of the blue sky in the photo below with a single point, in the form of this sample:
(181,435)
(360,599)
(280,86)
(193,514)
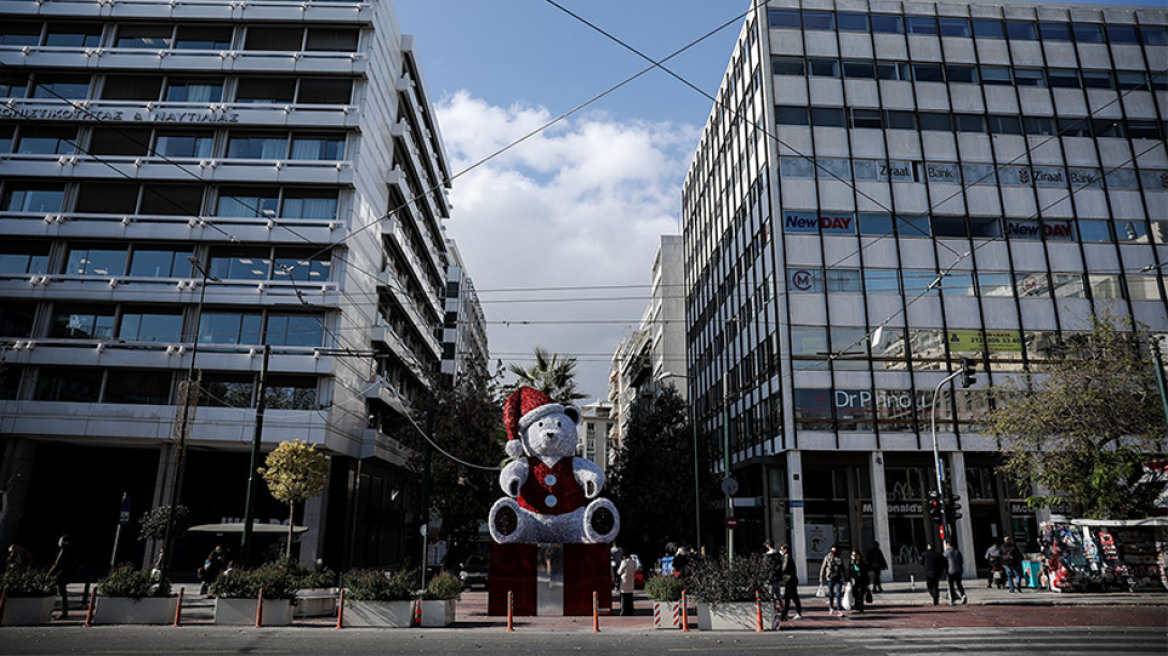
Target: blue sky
(583,204)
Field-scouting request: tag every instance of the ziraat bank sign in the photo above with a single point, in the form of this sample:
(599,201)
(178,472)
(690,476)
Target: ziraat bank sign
(812,222)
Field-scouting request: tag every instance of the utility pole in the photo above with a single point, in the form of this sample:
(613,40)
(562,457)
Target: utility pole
(188,405)
(252,474)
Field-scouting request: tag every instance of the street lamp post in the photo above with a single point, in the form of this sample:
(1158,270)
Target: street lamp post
(188,408)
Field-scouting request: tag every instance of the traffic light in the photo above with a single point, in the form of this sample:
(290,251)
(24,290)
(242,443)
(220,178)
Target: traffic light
(968,367)
(934,504)
(952,507)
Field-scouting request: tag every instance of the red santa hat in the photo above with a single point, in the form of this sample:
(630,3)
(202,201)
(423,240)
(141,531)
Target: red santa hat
(524,407)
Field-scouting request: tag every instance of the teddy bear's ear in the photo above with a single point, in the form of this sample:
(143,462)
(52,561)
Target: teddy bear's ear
(573,413)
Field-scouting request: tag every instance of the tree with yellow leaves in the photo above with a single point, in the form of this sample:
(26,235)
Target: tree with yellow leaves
(295,471)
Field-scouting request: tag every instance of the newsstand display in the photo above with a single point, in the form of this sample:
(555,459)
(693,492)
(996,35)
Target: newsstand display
(1128,555)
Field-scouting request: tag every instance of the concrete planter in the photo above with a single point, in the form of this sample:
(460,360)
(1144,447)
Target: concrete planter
(666,614)
(242,612)
(735,616)
(23,611)
(384,614)
(438,612)
(316,602)
(123,610)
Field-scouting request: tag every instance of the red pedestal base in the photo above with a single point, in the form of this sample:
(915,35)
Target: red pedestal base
(514,568)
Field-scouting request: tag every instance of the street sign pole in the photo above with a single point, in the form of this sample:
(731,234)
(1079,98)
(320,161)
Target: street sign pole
(123,519)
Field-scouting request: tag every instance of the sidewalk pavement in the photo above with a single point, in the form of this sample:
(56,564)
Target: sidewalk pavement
(472,609)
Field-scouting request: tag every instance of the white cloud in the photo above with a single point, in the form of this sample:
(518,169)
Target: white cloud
(581,204)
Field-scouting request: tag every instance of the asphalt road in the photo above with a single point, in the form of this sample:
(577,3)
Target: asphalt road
(303,641)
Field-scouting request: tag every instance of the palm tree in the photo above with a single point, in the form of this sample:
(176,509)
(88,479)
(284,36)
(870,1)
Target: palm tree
(551,374)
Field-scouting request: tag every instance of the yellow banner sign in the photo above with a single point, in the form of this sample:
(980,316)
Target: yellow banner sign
(994,341)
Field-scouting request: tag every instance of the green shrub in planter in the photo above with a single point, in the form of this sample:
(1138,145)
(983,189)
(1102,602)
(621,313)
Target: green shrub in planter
(274,578)
(715,580)
(664,588)
(443,586)
(304,576)
(125,581)
(376,585)
(29,583)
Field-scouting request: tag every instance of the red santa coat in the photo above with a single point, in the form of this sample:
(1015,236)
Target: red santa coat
(551,490)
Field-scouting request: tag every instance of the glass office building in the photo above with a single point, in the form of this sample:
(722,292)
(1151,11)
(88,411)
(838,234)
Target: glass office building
(882,189)
(231,175)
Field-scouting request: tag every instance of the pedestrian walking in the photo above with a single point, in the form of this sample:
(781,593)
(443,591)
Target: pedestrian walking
(876,564)
(858,572)
(616,556)
(774,569)
(934,566)
(212,566)
(831,573)
(993,556)
(680,561)
(628,578)
(790,578)
(64,566)
(956,564)
(1012,562)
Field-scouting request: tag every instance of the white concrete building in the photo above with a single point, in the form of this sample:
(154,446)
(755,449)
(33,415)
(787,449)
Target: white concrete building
(291,152)
(653,356)
(595,427)
(973,179)
(464,330)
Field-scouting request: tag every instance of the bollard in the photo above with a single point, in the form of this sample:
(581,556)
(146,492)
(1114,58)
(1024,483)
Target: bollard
(260,609)
(3,603)
(684,613)
(92,606)
(912,582)
(341,610)
(178,609)
(595,612)
(758,611)
(510,610)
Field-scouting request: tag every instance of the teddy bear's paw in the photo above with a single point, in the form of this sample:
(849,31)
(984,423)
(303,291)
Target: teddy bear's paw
(504,521)
(601,521)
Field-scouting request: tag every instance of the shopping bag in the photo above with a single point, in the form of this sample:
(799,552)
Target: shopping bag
(846,602)
(820,592)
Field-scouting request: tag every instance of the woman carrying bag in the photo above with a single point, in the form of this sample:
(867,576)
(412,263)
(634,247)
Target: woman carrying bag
(859,572)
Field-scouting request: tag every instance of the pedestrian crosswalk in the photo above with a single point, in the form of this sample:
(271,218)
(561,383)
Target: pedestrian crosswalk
(998,640)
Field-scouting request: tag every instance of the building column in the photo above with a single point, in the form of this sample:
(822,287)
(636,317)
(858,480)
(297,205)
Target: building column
(880,509)
(15,476)
(312,542)
(957,483)
(795,495)
(163,482)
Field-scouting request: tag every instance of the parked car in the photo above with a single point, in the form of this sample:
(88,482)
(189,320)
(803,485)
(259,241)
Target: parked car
(474,571)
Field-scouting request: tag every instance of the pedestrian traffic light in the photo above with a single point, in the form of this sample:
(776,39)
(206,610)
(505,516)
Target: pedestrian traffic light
(968,367)
(934,504)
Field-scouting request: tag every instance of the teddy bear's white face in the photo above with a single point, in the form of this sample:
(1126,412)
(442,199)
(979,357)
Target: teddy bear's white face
(552,437)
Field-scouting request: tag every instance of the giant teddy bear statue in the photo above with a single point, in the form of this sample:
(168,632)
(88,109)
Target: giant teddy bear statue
(552,495)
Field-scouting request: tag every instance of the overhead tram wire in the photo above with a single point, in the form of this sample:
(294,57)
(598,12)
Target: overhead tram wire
(962,190)
(204,220)
(811,160)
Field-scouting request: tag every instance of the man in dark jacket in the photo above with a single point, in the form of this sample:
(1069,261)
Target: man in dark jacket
(1012,562)
(62,572)
(956,566)
(934,565)
(790,578)
(876,565)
